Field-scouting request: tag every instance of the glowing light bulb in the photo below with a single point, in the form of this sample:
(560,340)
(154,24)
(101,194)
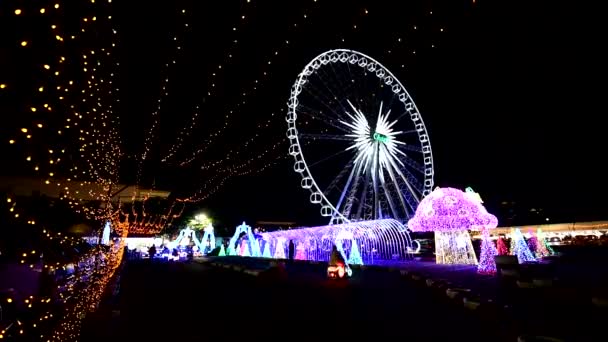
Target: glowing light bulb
(17,12)
(2,86)
(42,10)
(24,43)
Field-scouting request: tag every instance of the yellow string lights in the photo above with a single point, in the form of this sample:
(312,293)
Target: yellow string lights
(70,100)
(244,96)
(164,92)
(72,104)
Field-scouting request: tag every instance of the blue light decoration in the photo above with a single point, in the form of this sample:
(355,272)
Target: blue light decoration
(208,242)
(380,241)
(355,257)
(232,251)
(519,247)
(183,239)
(251,241)
(222,251)
(105,237)
(266,253)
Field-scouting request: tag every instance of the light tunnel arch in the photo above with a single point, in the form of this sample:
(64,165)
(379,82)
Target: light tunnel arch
(378,241)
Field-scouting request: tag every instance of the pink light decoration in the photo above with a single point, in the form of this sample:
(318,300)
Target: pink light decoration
(487,264)
(450,213)
(300,252)
(449,209)
(501,246)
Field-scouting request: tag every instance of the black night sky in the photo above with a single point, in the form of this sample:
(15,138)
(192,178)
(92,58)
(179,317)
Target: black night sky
(509,93)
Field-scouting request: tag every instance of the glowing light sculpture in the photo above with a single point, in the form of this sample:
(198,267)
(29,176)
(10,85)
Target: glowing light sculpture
(501,246)
(377,241)
(450,213)
(266,253)
(183,239)
(279,249)
(222,251)
(208,241)
(244,251)
(300,252)
(520,248)
(487,264)
(251,240)
(543,248)
(354,257)
(105,237)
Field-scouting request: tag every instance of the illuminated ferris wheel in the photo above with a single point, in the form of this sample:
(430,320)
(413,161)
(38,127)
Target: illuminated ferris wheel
(358,139)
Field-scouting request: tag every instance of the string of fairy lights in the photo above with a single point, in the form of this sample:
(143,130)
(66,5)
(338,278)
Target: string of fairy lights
(72,100)
(58,315)
(213,79)
(255,86)
(164,92)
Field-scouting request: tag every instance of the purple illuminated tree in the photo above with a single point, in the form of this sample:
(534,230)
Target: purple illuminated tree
(450,213)
(520,248)
(487,264)
(501,246)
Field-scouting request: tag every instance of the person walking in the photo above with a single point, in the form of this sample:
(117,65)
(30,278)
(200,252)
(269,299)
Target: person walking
(292,250)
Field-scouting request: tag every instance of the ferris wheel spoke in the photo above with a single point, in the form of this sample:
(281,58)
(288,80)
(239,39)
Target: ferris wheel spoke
(325,104)
(327,158)
(412,148)
(322,118)
(334,97)
(362,198)
(333,184)
(389,198)
(312,136)
(411,201)
(397,189)
(390,164)
(347,189)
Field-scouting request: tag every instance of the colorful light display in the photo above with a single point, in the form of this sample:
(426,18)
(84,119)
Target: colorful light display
(279,249)
(501,246)
(266,253)
(354,257)
(253,247)
(379,240)
(520,248)
(487,264)
(450,213)
(222,251)
(543,248)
